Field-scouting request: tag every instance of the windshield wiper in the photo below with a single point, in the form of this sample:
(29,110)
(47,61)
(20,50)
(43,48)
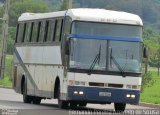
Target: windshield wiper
(96,59)
(117,64)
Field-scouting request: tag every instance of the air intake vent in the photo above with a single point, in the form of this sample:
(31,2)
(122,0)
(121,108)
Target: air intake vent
(96,84)
(115,85)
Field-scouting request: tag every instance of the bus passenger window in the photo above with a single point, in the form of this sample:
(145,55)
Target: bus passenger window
(42,31)
(50,30)
(46,31)
(30,37)
(20,33)
(17,33)
(24,32)
(39,27)
(28,32)
(34,32)
(58,30)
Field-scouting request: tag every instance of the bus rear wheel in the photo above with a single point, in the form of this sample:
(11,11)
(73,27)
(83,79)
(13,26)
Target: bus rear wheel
(26,98)
(119,107)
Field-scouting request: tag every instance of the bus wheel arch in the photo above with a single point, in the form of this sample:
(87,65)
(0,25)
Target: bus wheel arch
(56,86)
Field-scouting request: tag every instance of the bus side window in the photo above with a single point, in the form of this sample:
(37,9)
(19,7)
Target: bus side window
(39,27)
(34,32)
(55,29)
(58,30)
(20,33)
(24,33)
(28,32)
(51,28)
(30,37)
(17,33)
(42,31)
(46,31)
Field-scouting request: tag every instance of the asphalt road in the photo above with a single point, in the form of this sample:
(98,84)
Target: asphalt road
(11,103)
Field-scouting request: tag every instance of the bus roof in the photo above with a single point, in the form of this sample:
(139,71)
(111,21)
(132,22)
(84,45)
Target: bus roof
(88,14)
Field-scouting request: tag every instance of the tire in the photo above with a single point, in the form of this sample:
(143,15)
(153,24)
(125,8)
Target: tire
(73,105)
(61,104)
(26,98)
(83,104)
(36,100)
(119,107)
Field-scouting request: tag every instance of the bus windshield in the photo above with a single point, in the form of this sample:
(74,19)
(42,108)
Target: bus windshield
(106,55)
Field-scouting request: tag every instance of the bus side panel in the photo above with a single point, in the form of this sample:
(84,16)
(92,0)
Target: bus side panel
(41,65)
(30,86)
(17,74)
(39,74)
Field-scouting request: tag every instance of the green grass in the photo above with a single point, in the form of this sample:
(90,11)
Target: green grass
(6,81)
(151,94)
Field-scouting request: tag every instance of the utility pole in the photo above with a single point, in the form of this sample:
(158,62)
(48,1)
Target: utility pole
(4,37)
(70,4)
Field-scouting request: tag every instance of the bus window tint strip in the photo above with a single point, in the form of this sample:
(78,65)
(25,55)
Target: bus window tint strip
(86,36)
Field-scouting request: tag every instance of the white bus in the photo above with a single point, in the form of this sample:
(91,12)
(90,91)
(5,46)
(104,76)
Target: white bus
(79,56)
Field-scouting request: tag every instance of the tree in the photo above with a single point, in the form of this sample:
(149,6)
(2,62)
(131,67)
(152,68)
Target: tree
(64,5)
(18,7)
(21,6)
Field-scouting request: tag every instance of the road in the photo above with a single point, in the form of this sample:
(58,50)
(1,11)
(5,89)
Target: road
(12,103)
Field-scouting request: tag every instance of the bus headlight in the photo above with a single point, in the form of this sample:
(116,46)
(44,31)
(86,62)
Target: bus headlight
(131,96)
(75,92)
(133,87)
(78,92)
(81,92)
(128,95)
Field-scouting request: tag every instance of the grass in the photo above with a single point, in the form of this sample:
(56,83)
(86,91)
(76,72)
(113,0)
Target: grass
(6,81)
(151,94)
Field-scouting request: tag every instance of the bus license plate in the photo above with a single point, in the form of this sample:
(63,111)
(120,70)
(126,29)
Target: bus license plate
(105,94)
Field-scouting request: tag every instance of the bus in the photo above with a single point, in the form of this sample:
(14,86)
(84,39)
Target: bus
(79,56)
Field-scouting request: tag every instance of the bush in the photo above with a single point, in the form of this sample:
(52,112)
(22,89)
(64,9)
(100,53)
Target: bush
(147,80)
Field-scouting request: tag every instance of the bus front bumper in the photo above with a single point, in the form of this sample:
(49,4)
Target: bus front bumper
(103,95)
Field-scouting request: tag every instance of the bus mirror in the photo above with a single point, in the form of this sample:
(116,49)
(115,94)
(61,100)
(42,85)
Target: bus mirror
(145,52)
(67,47)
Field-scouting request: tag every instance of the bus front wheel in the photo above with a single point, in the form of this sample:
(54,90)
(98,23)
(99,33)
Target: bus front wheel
(36,100)
(62,104)
(119,107)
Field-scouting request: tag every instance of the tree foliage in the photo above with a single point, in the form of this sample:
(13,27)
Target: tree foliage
(21,6)
(18,7)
